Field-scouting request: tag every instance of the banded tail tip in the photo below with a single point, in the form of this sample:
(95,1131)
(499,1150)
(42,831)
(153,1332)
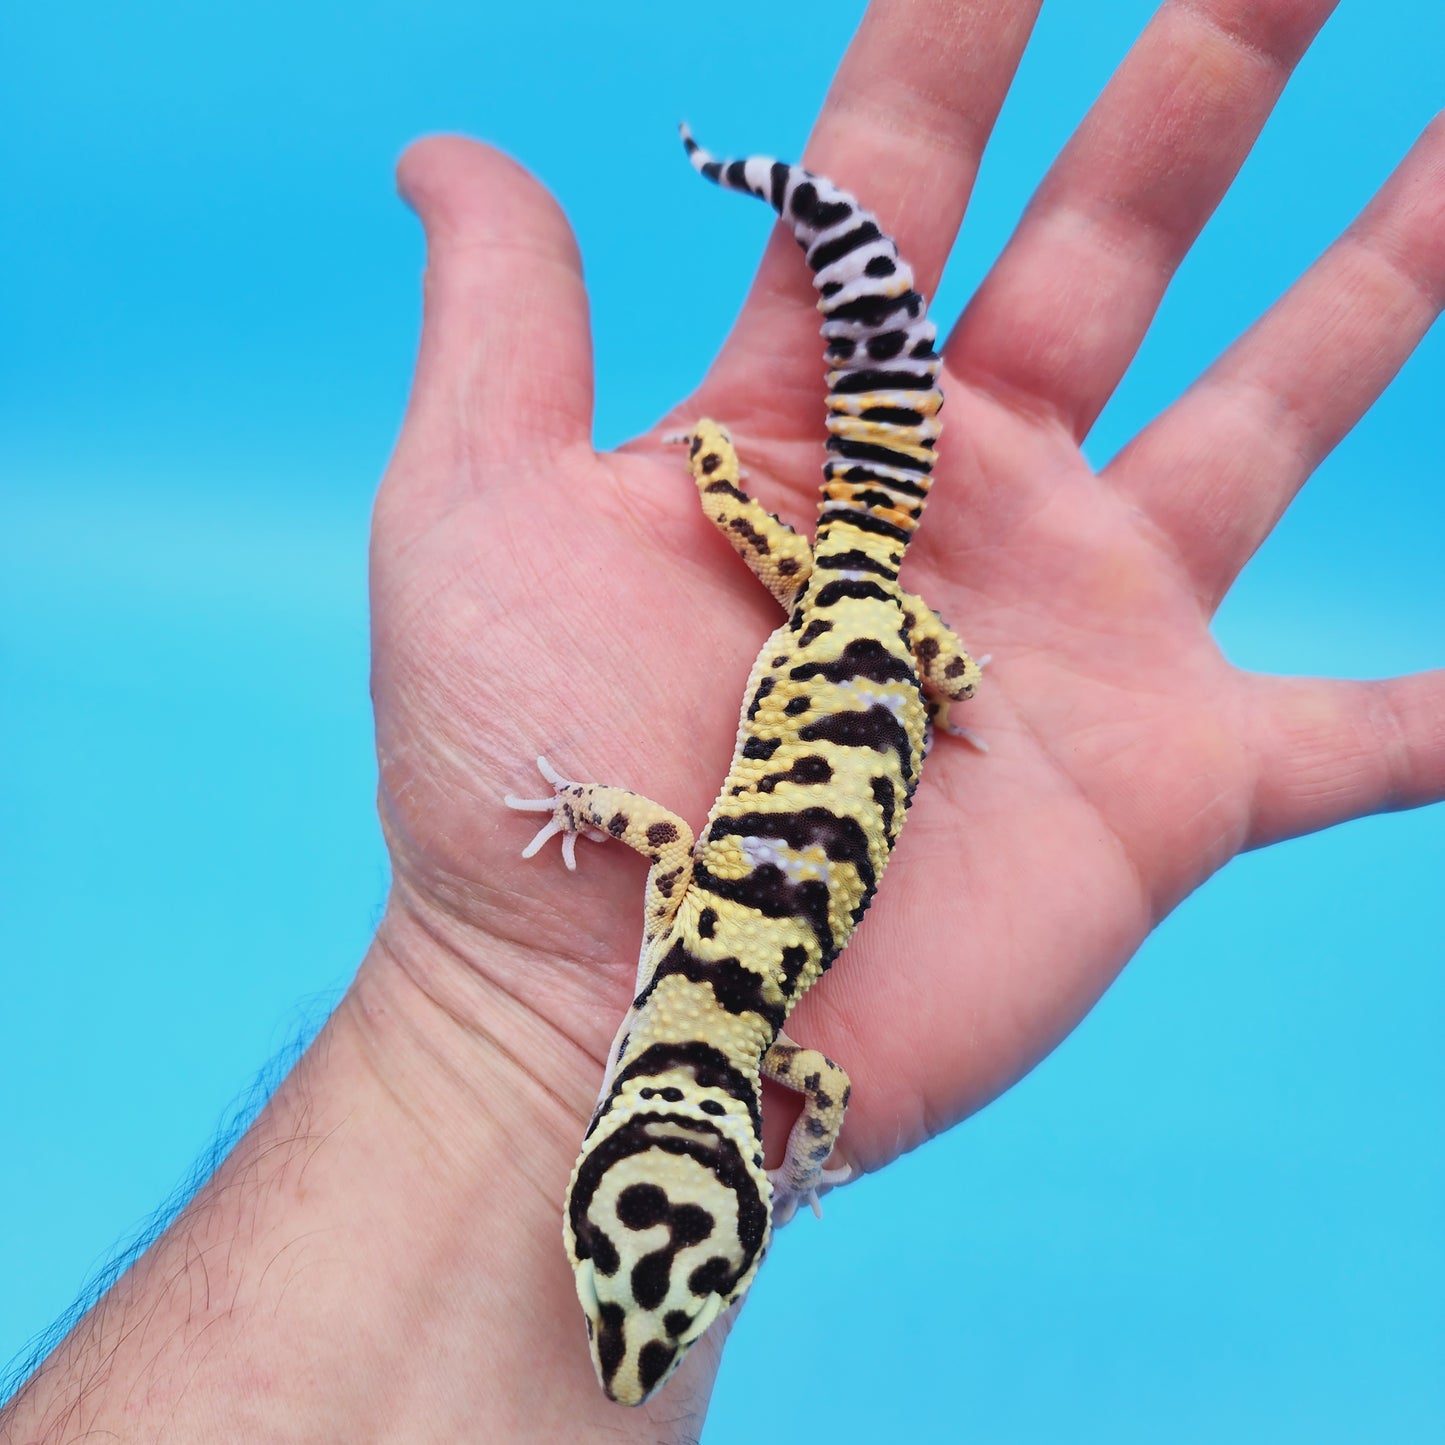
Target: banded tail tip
(703,162)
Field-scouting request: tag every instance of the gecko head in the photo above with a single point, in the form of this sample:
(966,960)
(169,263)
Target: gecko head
(666,1224)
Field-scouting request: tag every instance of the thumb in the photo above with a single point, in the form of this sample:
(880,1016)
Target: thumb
(505,366)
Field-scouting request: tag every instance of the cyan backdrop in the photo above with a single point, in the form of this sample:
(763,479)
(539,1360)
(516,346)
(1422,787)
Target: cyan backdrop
(1217,1212)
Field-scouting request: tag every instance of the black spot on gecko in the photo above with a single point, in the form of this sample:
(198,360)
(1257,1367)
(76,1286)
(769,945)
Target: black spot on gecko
(884,456)
(611,1340)
(865,522)
(605,1256)
(727,488)
(794,959)
(798,705)
(761,748)
(676,1321)
(874,728)
(855,560)
(864,657)
(617,824)
(764,688)
(737,988)
(710,463)
(659,834)
(842,839)
(807,770)
(691,1224)
(840,588)
(750,535)
(787,566)
(869,379)
(706,922)
(714,1276)
(653,1362)
(874,311)
(886,345)
(768,891)
(812,211)
(866,497)
(893,415)
(651,1276)
(821,257)
(778,178)
(640,1206)
(815,629)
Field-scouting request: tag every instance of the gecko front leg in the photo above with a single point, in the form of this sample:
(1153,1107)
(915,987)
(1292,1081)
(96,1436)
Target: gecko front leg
(599,812)
(945,668)
(779,558)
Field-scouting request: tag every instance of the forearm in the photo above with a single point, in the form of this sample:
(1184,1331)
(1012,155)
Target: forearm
(379,1257)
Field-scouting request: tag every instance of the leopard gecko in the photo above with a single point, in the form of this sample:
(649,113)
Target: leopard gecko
(670,1208)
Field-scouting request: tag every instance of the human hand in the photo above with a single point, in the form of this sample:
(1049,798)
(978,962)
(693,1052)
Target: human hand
(533,596)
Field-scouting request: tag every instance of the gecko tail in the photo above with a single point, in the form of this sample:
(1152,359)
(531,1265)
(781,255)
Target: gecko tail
(883,393)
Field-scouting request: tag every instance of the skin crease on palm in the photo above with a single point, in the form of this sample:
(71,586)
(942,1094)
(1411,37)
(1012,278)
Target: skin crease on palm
(532,596)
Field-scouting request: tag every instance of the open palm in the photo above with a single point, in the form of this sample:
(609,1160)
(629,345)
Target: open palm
(532,596)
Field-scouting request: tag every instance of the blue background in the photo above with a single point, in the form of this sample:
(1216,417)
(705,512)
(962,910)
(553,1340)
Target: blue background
(1218,1212)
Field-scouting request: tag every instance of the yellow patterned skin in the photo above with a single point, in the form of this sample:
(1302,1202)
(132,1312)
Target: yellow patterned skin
(670,1208)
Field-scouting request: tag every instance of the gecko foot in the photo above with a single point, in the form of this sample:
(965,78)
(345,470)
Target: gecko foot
(787,1199)
(564,817)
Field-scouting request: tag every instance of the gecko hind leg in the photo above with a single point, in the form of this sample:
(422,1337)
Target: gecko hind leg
(599,812)
(825,1090)
(949,674)
(779,558)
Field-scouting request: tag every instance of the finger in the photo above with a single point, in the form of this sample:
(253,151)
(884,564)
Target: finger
(1059,318)
(504,367)
(1330,751)
(1217,469)
(903,127)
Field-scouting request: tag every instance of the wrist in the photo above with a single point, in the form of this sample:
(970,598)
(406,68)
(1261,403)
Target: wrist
(380,1256)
